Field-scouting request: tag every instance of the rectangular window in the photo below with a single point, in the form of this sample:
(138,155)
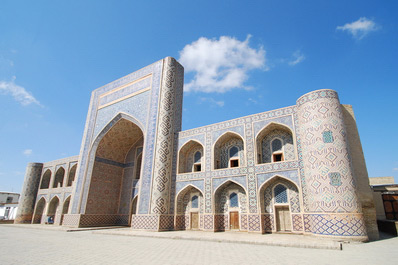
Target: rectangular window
(234,162)
(9,199)
(7,212)
(278,157)
(197,168)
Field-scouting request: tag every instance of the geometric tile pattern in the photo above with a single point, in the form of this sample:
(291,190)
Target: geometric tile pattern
(184,200)
(164,142)
(221,222)
(222,198)
(71,220)
(186,156)
(280,193)
(319,111)
(87,220)
(166,222)
(335,224)
(198,184)
(182,222)
(217,182)
(268,222)
(254,222)
(208,222)
(243,222)
(222,147)
(85,164)
(297,221)
(267,200)
(287,140)
(145,222)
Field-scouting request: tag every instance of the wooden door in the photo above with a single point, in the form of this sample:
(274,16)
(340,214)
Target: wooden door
(283,222)
(194,220)
(234,220)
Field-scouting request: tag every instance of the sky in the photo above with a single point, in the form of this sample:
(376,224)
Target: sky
(240,58)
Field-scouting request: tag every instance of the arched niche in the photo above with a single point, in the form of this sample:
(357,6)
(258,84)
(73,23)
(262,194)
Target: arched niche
(59,178)
(39,209)
(230,206)
(65,207)
(71,176)
(189,208)
(274,143)
(53,208)
(279,198)
(45,180)
(191,157)
(228,151)
(114,167)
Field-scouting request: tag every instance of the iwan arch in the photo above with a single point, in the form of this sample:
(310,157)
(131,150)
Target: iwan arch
(298,169)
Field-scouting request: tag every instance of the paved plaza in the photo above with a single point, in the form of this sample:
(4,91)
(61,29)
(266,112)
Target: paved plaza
(35,245)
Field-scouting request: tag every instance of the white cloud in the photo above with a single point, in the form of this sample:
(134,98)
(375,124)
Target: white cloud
(28,152)
(298,57)
(252,101)
(395,169)
(360,28)
(220,65)
(19,93)
(219,103)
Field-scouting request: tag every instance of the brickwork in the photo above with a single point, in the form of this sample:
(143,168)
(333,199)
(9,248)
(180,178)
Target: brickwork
(29,193)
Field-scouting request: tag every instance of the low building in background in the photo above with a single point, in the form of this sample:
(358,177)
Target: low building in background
(8,205)
(385,193)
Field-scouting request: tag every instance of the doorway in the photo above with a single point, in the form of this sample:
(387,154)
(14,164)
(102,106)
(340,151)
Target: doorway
(194,220)
(283,222)
(234,220)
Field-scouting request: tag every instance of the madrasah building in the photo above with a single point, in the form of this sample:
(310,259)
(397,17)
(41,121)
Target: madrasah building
(298,169)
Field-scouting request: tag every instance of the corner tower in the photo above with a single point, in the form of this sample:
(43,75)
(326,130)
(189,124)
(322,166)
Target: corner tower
(329,186)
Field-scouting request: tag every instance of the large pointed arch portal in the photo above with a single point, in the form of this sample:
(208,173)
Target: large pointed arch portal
(112,176)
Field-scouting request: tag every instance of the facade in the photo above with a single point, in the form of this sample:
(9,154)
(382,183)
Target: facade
(8,205)
(299,169)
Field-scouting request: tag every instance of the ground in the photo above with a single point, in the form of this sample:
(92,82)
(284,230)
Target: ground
(23,245)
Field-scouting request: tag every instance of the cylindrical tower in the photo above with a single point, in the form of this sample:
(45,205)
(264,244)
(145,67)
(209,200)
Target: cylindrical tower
(330,193)
(29,192)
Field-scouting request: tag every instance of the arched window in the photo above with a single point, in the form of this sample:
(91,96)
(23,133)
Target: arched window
(71,176)
(280,193)
(277,152)
(197,157)
(59,178)
(233,200)
(45,182)
(195,202)
(233,151)
(234,156)
(276,145)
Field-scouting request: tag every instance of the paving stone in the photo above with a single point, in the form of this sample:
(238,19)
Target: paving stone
(52,245)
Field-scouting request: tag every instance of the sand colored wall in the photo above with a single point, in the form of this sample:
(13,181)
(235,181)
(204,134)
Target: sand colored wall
(360,173)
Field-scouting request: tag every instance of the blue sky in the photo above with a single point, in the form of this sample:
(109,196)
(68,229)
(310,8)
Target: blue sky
(54,53)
